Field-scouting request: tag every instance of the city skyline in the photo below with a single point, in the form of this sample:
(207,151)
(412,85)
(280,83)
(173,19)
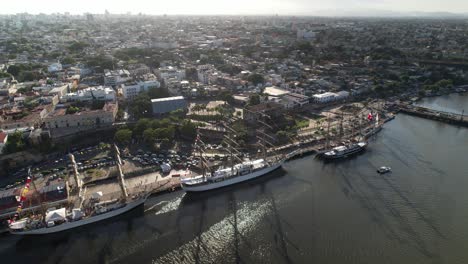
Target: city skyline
(245,7)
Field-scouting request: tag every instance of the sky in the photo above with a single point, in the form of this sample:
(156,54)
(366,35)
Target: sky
(233,7)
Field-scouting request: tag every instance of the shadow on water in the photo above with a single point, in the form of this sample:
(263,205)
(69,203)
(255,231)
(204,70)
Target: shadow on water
(392,220)
(198,220)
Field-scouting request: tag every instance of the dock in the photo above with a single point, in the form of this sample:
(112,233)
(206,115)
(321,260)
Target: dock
(446,117)
(153,183)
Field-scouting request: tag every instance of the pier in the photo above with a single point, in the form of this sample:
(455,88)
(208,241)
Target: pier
(447,117)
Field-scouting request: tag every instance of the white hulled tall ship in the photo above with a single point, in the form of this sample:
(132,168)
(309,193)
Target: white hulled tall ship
(346,149)
(82,212)
(241,171)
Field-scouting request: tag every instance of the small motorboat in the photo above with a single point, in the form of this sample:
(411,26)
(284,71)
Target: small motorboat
(384,169)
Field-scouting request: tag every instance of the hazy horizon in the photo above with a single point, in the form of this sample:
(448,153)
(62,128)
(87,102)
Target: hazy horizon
(241,7)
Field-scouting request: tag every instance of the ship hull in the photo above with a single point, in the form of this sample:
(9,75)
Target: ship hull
(75,224)
(230,181)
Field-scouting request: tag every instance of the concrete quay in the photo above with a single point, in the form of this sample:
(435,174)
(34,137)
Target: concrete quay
(446,117)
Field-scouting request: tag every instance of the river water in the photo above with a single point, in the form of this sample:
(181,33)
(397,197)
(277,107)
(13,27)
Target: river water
(309,212)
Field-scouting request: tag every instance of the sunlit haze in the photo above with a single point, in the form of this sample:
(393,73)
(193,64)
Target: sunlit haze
(281,7)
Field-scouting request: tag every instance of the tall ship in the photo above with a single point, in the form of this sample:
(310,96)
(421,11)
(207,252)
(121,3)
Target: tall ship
(345,151)
(349,149)
(237,172)
(240,172)
(82,211)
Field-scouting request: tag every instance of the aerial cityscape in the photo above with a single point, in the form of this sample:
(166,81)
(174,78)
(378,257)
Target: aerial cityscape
(312,135)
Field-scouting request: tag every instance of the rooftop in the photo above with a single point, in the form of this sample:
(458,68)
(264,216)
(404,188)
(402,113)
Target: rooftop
(275,91)
(167,99)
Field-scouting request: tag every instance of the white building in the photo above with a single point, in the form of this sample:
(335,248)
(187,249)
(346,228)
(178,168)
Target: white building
(169,72)
(117,77)
(330,97)
(324,97)
(275,91)
(132,90)
(204,73)
(93,93)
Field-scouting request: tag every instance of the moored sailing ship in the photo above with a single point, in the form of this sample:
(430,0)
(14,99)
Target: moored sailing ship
(241,171)
(85,212)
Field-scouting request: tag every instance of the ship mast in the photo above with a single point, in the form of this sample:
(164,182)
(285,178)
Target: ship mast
(120,173)
(43,208)
(328,131)
(199,145)
(78,181)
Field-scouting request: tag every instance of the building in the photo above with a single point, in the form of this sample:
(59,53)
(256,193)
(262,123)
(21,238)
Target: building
(330,97)
(275,91)
(169,72)
(303,34)
(9,124)
(168,104)
(130,91)
(324,97)
(82,120)
(93,93)
(117,77)
(139,69)
(294,100)
(60,91)
(204,73)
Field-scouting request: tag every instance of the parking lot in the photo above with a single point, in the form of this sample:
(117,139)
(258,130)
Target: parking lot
(93,159)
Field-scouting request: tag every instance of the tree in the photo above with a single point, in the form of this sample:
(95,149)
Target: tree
(227,96)
(188,129)
(149,135)
(27,76)
(120,114)
(77,46)
(141,106)
(141,126)
(255,78)
(15,143)
(254,99)
(71,110)
(68,60)
(13,70)
(123,136)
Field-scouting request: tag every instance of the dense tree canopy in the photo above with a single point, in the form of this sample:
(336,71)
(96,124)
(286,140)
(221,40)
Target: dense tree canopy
(255,78)
(123,136)
(15,143)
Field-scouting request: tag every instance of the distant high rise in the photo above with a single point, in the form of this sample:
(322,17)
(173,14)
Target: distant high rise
(89,17)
